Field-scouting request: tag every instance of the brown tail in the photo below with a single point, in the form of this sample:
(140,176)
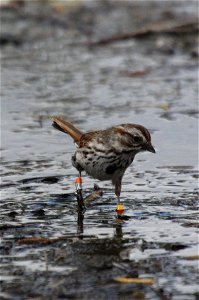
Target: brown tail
(66,127)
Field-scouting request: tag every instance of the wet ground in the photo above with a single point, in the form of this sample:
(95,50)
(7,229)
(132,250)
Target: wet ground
(48,249)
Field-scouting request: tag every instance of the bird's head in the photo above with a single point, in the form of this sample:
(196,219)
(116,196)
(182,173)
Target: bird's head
(135,137)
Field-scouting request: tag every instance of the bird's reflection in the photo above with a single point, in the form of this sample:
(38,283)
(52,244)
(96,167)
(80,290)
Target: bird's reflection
(82,204)
(118,230)
(80,224)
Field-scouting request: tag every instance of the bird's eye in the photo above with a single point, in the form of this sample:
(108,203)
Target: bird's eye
(137,139)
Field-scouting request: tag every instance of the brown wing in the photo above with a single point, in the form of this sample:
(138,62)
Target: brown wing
(88,137)
(65,126)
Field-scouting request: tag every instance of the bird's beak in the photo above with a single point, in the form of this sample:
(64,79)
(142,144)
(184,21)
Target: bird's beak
(150,148)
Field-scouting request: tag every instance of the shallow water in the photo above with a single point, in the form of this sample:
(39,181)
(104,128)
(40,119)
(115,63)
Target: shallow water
(157,235)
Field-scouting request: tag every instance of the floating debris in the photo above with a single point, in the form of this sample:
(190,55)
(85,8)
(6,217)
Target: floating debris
(147,281)
(96,194)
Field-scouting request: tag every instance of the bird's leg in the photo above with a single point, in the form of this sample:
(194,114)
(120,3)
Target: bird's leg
(80,199)
(118,191)
(118,186)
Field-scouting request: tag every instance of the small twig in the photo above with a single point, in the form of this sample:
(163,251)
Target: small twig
(169,27)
